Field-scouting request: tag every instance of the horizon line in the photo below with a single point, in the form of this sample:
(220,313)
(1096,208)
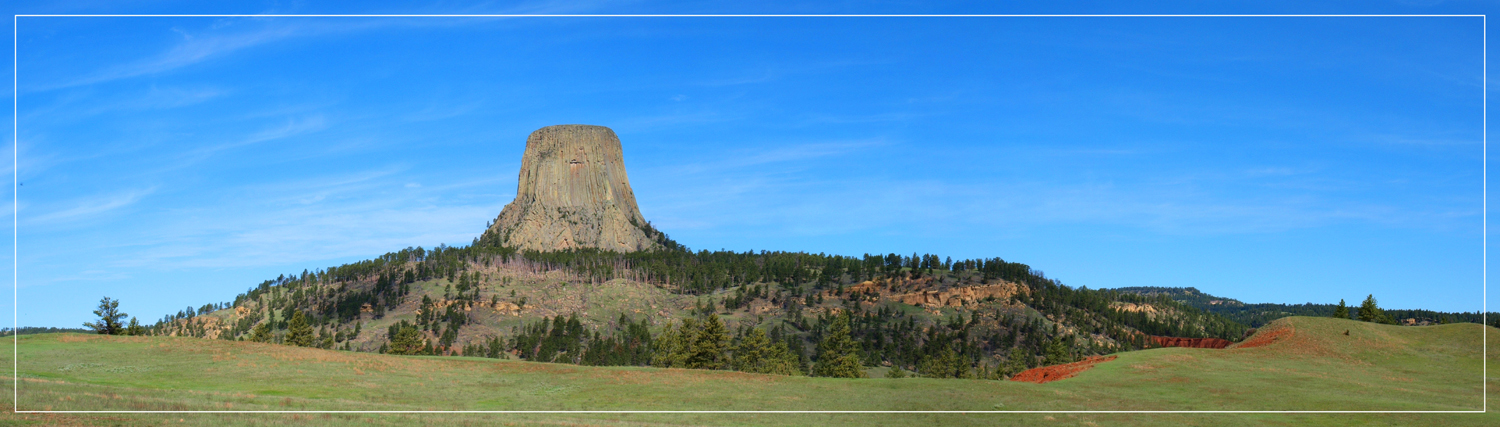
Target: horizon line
(760,15)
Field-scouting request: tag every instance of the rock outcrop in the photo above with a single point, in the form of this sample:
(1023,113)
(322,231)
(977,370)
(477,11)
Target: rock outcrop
(958,297)
(573,193)
(950,297)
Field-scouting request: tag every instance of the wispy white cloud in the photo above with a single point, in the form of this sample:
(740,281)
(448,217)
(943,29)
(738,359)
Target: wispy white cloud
(173,97)
(191,50)
(296,232)
(774,72)
(1427,140)
(82,105)
(440,112)
(1273,171)
(92,275)
(887,117)
(784,154)
(797,205)
(224,38)
(356,214)
(802,152)
(293,127)
(765,181)
(674,120)
(90,206)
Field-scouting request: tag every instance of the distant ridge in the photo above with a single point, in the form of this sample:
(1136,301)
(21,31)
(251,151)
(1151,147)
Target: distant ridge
(1259,314)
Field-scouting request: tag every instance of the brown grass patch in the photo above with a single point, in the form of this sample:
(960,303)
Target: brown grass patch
(71,338)
(1178,358)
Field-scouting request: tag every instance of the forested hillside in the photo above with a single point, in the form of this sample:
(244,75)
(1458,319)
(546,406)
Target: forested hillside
(779,312)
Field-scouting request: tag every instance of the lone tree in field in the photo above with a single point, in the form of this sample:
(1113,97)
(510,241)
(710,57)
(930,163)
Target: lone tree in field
(1342,311)
(109,318)
(838,354)
(1369,312)
(298,332)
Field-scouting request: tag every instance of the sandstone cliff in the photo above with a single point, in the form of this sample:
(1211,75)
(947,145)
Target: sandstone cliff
(951,297)
(573,193)
(958,297)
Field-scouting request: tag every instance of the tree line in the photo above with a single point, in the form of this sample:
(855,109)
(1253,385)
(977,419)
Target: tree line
(329,300)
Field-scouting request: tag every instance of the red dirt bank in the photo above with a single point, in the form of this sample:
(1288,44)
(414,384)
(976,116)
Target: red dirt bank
(1191,342)
(1052,373)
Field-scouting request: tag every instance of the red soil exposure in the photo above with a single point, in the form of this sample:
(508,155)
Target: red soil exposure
(1264,338)
(1191,342)
(1052,373)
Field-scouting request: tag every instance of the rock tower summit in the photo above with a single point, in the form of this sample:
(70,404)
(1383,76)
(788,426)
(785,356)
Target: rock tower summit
(573,193)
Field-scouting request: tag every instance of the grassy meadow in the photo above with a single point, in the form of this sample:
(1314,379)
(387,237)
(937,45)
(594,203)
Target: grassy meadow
(1303,364)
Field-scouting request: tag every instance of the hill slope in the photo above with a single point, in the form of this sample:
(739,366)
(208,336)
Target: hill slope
(988,316)
(1304,364)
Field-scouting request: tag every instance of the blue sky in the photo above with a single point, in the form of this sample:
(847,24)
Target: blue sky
(172,162)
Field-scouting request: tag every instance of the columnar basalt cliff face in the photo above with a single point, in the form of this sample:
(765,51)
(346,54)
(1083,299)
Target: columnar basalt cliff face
(573,193)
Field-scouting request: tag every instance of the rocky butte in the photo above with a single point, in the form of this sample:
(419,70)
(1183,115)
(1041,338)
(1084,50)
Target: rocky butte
(573,193)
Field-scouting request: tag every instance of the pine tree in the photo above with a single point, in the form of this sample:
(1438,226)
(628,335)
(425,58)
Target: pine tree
(109,317)
(838,354)
(756,353)
(298,332)
(940,365)
(261,333)
(1059,352)
(749,354)
(709,345)
(407,340)
(780,360)
(495,348)
(673,345)
(1369,311)
(1017,361)
(322,337)
(895,373)
(798,350)
(135,328)
(1342,311)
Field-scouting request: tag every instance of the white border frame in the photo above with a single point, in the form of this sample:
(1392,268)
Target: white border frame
(16,180)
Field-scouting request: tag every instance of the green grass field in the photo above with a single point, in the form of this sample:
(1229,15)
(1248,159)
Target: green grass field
(1311,365)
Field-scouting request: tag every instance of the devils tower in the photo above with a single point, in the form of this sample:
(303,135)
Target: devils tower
(573,193)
